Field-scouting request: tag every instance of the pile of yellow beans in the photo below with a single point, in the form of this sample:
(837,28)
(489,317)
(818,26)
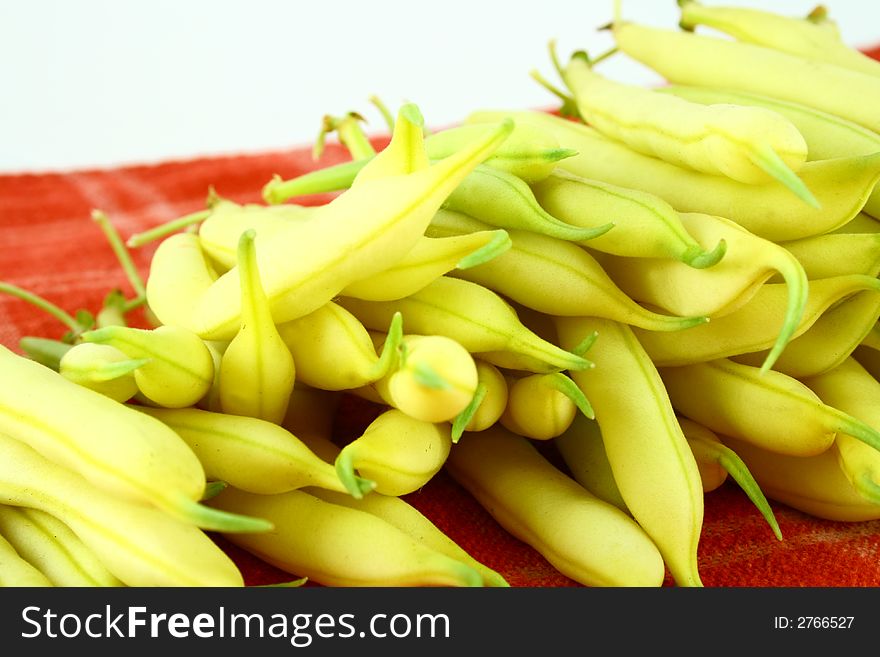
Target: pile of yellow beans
(668,285)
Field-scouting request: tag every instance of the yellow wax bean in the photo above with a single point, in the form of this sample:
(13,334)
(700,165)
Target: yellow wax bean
(529,153)
(335,545)
(814,36)
(583,452)
(101,368)
(362,231)
(653,465)
(841,185)
(488,403)
(138,544)
(718,290)
(831,338)
(584,538)
(180,273)
(581,286)
(250,453)
(429,258)
(476,317)
(221,230)
(393,510)
(398,452)
(257,370)
(852,389)
(645,226)
(814,485)
(179,370)
(828,136)
(748,144)
(688,58)
(15,571)
(434,380)
(771,410)
(542,406)
(53,548)
(333,350)
(837,254)
(753,327)
(116,448)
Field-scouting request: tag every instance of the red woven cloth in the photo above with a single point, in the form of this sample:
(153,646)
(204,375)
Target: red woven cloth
(51,247)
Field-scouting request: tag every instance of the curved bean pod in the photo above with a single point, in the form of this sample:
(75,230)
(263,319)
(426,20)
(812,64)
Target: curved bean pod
(814,485)
(335,545)
(814,37)
(718,290)
(749,144)
(842,185)
(101,368)
(362,231)
(542,406)
(252,454)
(771,410)
(645,226)
(828,136)
(753,327)
(478,318)
(15,571)
(179,370)
(53,548)
(257,370)
(581,285)
(831,338)
(397,452)
(137,543)
(688,58)
(118,449)
(653,465)
(584,538)
(851,388)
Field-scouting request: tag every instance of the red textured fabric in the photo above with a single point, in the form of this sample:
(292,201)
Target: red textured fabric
(51,247)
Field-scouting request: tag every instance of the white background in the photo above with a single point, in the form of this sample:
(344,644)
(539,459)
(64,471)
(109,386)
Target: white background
(99,83)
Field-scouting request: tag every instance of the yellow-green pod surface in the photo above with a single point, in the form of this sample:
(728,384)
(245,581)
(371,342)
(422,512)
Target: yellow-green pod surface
(586,539)
(335,545)
(752,328)
(718,290)
(581,286)
(815,485)
(15,571)
(362,231)
(688,58)
(542,406)
(828,136)
(583,452)
(769,409)
(653,465)
(333,350)
(53,548)
(434,380)
(137,543)
(101,368)
(831,339)
(397,452)
(257,370)
(249,453)
(841,185)
(645,226)
(852,389)
(751,145)
(179,370)
(476,317)
(814,36)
